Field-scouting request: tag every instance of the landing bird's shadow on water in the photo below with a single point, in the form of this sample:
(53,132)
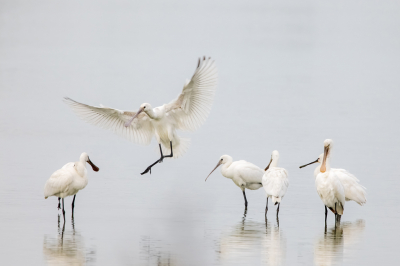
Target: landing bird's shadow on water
(67,248)
(335,242)
(249,242)
(155,252)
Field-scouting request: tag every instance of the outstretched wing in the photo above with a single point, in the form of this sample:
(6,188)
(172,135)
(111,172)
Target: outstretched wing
(140,131)
(193,105)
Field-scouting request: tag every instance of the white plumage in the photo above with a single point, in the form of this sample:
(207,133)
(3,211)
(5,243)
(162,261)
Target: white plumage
(329,186)
(353,190)
(275,181)
(187,112)
(68,180)
(243,174)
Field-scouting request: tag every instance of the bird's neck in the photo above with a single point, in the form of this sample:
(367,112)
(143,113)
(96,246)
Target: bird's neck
(327,164)
(224,168)
(317,170)
(81,168)
(152,114)
(274,163)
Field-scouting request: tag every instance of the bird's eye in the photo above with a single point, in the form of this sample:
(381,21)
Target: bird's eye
(222,160)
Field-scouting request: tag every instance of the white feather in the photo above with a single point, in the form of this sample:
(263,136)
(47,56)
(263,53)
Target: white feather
(140,131)
(275,182)
(68,180)
(187,112)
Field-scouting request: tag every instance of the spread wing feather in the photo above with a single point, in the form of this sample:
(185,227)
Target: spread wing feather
(140,131)
(193,105)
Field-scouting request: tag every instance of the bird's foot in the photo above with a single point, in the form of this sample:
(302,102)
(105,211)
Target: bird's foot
(148,169)
(161,160)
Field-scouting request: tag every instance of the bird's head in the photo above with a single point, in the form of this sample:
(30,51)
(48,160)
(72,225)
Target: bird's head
(328,143)
(85,158)
(222,160)
(144,107)
(274,158)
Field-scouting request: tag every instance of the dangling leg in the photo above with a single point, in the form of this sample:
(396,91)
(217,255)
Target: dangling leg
(73,206)
(245,200)
(159,160)
(277,210)
(266,209)
(59,206)
(171,155)
(63,211)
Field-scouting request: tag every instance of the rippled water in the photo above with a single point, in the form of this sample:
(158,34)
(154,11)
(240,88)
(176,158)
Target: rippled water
(291,74)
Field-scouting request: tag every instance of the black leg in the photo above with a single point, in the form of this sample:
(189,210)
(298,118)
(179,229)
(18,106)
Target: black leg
(171,155)
(159,160)
(73,206)
(277,220)
(63,211)
(266,209)
(277,210)
(245,200)
(162,155)
(59,206)
(326,214)
(335,214)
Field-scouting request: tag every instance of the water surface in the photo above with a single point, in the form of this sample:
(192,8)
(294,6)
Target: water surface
(291,74)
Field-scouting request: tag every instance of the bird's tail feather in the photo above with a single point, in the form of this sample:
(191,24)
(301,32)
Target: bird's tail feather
(179,148)
(276,200)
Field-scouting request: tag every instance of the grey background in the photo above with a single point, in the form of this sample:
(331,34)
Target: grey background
(291,74)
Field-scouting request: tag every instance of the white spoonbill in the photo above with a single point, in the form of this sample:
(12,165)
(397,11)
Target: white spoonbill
(187,112)
(275,182)
(353,190)
(243,174)
(68,180)
(329,188)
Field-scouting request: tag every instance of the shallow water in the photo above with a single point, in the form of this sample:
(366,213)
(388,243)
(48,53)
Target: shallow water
(290,75)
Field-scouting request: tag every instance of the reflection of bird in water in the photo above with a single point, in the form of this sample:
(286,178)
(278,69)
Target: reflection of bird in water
(67,248)
(250,242)
(152,253)
(330,248)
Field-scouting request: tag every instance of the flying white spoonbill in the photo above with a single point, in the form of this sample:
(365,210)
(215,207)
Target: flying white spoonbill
(329,186)
(68,180)
(243,174)
(275,182)
(187,112)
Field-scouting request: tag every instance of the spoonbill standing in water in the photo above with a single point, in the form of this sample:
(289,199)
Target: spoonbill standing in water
(187,112)
(353,190)
(275,182)
(68,180)
(243,174)
(329,186)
